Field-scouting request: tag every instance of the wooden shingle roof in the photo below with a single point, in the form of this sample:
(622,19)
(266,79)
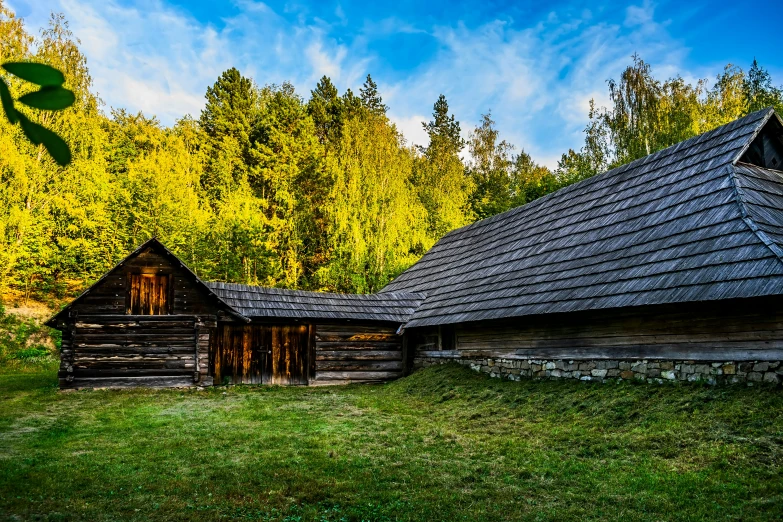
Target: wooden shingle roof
(263,302)
(687,223)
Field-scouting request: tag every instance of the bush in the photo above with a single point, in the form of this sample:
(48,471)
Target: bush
(24,341)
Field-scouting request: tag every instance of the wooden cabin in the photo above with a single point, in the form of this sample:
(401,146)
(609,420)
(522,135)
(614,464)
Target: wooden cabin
(150,321)
(667,268)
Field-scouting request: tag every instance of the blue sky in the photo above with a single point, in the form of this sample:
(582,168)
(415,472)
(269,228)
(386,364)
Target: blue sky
(535,65)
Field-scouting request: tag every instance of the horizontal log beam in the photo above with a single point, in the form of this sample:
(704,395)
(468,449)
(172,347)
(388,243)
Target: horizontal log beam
(368,355)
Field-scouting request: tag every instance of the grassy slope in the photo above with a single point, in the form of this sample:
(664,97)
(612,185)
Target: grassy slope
(443,444)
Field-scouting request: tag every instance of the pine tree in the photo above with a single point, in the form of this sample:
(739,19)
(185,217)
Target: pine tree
(439,175)
(325,107)
(444,128)
(227,121)
(371,99)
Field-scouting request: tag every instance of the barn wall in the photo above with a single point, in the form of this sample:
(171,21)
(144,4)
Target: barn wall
(732,340)
(105,347)
(356,352)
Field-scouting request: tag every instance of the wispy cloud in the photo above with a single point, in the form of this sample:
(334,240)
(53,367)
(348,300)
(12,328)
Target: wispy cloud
(537,77)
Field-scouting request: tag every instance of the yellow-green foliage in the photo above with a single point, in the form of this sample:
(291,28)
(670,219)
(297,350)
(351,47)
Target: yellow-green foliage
(265,187)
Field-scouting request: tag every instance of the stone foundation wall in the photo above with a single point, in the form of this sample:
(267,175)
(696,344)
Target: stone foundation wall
(728,372)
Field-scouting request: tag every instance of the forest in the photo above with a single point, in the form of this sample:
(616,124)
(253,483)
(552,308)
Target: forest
(317,190)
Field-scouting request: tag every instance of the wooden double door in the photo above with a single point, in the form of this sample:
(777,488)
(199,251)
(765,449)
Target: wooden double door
(262,353)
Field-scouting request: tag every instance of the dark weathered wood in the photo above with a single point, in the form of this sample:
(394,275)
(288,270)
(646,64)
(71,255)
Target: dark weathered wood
(366,355)
(357,349)
(358,376)
(360,345)
(129,382)
(749,329)
(260,353)
(358,366)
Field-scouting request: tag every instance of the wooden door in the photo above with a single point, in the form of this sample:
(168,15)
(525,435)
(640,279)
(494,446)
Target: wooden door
(289,354)
(238,354)
(260,354)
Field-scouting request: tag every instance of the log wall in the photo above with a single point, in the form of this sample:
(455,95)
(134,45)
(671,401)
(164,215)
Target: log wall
(351,352)
(122,350)
(719,333)
(104,346)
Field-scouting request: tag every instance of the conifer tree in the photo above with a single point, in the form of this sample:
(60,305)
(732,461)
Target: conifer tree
(371,99)
(325,108)
(439,175)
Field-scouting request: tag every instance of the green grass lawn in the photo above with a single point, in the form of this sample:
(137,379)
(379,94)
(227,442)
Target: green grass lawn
(443,444)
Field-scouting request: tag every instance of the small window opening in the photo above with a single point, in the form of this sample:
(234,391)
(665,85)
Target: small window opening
(766,150)
(148,294)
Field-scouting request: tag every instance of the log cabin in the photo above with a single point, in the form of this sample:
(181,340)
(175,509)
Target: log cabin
(667,268)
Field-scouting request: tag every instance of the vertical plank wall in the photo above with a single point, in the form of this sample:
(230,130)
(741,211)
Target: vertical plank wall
(260,354)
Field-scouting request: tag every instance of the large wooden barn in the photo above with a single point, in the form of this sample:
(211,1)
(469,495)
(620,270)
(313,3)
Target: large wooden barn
(668,268)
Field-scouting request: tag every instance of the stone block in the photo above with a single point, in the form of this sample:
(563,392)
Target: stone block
(598,373)
(653,372)
(625,365)
(524,365)
(550,365)
(613,372)
(667,365)
(755,376)
(701,368)
(761,367)
(669,375)
(771,377)
(626,374)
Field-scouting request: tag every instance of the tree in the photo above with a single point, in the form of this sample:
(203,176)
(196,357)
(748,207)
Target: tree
(227,121)
(325,108)
(489,169)
(371,99)
(759,91)
(725,101)
(439,175)
(529,180)
(375,219)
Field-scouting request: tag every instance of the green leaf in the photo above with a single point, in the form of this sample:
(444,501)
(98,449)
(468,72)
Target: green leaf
(49,98)
(7,102)
(36,73)
(54,144)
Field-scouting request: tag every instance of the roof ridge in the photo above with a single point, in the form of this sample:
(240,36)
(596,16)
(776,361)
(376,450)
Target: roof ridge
(742,203)
(272,289)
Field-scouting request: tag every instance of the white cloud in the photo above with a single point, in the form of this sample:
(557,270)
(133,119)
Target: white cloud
(537,80)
